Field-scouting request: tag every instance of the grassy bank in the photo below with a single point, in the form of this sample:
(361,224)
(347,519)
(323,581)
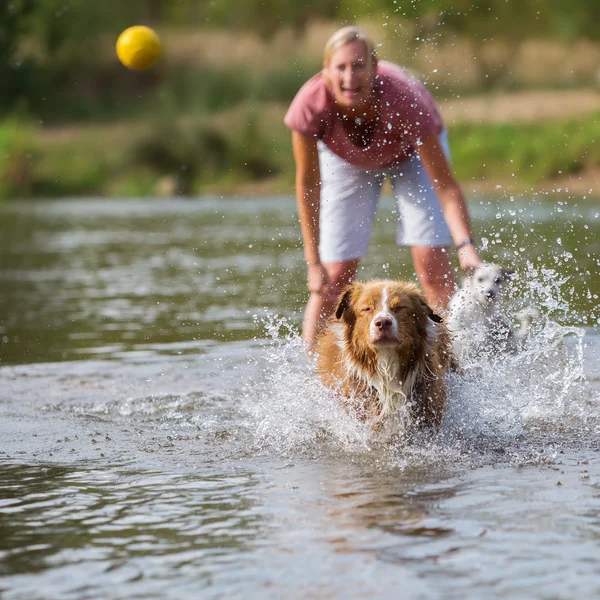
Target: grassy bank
(528,154)
(249,147)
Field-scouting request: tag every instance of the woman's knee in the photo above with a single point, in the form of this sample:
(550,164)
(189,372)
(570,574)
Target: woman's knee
(340,275)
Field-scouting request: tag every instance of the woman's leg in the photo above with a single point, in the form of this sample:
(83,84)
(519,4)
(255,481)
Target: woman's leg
(435,274)
(349,198)
(422,227)
(321,306)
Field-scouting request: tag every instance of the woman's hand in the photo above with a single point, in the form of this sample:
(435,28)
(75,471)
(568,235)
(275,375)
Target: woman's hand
(317,278)
(468,257)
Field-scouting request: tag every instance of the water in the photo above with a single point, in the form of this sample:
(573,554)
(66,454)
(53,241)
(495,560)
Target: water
(163,437)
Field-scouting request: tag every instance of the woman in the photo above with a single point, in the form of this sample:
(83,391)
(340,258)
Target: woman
(354,123)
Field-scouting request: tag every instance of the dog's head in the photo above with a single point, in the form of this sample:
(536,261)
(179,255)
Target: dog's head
(382,314)
(484,283)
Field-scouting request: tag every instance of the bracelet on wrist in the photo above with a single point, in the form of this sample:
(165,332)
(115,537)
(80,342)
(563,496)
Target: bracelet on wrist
(466,242)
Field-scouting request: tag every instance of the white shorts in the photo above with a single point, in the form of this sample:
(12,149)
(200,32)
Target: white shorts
(349,199)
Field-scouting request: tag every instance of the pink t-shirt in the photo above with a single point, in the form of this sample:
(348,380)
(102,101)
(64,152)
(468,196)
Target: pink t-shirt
(407,114)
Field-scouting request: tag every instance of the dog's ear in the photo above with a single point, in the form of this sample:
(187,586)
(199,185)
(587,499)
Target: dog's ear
(433,315)
(344,302)
(344,307)
(430,313)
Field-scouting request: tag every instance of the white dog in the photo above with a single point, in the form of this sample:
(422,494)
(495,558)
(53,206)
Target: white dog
(476,317)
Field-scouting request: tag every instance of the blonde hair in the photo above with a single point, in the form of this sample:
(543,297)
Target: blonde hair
(346,35)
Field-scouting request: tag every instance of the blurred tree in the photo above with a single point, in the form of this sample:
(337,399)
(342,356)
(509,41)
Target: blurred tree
(405,10)
(13,74)
(500,19)
(181,151)
(68,43)
(495,28)
(573,20)
(267,16)
(55,55)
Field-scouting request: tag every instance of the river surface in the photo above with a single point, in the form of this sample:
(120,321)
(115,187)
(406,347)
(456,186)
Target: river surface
(163,436)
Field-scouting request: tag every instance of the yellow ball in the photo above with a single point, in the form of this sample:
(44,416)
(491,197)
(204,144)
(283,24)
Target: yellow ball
(138,47)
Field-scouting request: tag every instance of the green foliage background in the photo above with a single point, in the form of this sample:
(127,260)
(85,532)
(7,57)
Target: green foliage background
(211,124)
(49,49)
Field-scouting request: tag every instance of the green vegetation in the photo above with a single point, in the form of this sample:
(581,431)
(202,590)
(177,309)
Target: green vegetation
(529,153)
(18,156)
(208,117)
(57,57)
(220,153)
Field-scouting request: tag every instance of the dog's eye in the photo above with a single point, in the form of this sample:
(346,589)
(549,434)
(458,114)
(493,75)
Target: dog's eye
(480,279)
(366,309)
(497,280)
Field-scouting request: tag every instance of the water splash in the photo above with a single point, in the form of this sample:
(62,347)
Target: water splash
(500,404)
(291,409)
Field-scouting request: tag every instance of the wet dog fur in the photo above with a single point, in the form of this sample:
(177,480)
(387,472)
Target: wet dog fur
(477,319)
(387,353)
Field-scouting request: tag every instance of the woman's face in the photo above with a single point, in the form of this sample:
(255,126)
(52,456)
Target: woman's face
(350,75)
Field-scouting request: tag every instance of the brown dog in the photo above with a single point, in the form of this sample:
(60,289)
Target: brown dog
(387,352)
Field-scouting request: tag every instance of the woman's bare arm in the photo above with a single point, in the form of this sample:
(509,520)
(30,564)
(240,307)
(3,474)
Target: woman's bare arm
(451,198)
(308,197)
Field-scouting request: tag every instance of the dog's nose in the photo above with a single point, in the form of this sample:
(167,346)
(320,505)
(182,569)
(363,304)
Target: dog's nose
(382,323)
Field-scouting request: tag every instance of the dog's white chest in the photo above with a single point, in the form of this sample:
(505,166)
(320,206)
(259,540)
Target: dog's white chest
(391,391)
